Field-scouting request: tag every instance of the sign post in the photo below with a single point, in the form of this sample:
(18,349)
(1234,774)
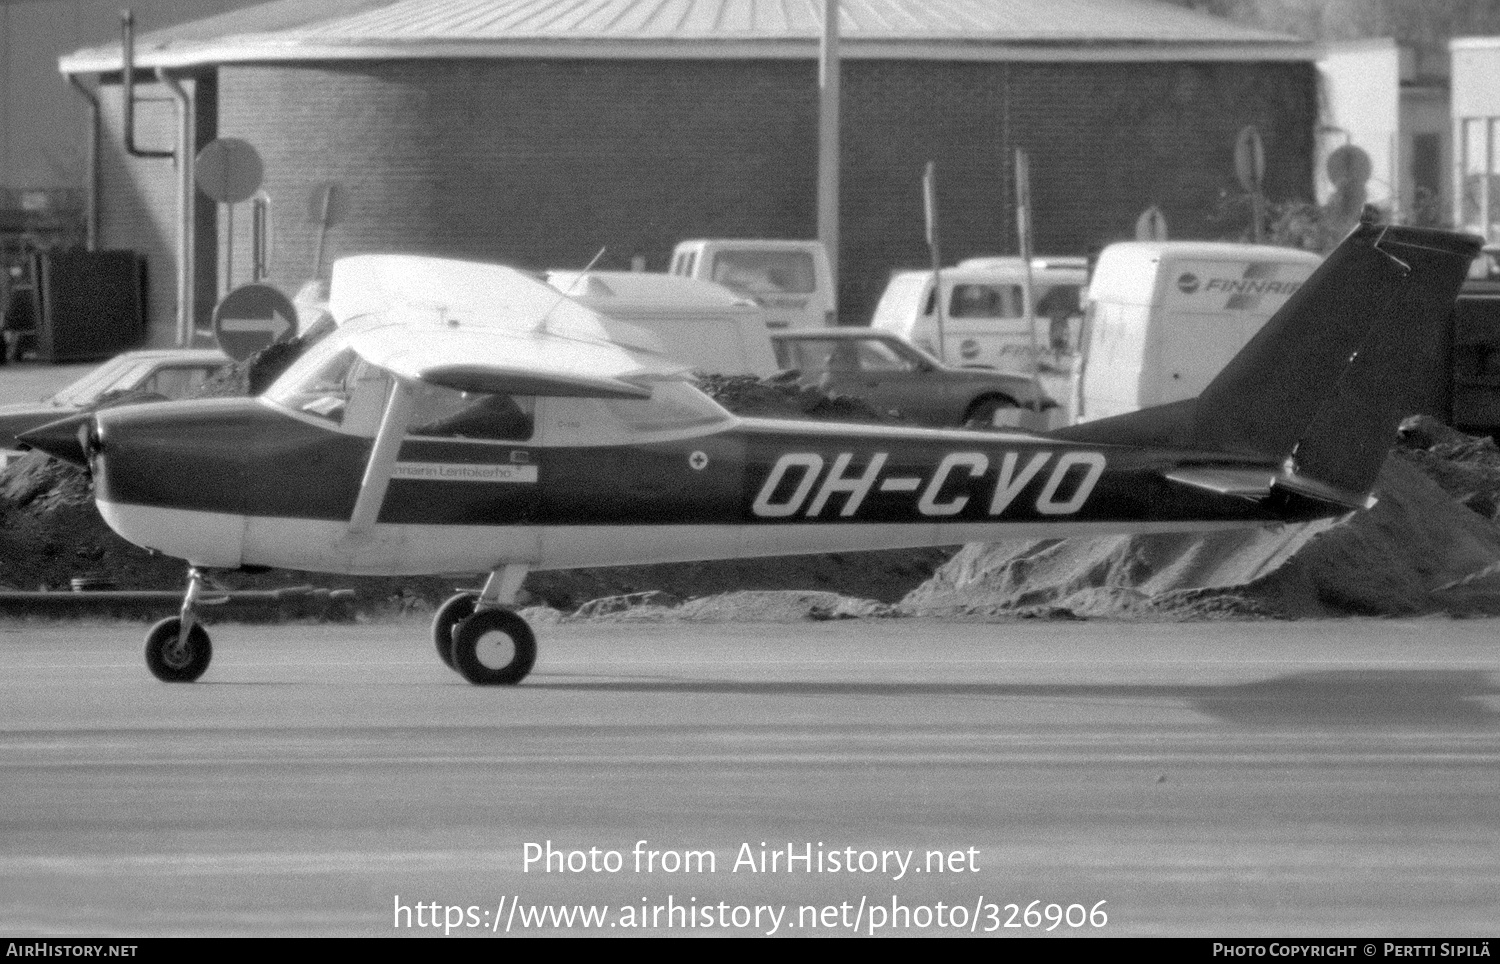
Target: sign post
(1024,243)
(929,211)
(229,170)
(1250,168)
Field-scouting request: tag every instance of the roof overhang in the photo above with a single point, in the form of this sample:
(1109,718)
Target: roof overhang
(267,50)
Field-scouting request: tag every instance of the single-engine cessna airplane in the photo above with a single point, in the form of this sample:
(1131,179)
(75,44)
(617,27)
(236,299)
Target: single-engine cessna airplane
(466,418)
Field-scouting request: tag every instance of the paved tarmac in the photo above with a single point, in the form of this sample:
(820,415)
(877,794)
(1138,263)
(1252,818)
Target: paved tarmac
(1235,779)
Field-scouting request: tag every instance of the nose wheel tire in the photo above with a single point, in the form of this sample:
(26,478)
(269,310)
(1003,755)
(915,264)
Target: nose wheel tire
(493,647)
(449,615)
(170,659)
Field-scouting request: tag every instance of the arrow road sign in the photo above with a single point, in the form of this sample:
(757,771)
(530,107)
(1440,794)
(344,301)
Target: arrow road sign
(252,317)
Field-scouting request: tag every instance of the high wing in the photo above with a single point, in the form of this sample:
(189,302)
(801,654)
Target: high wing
(489,328)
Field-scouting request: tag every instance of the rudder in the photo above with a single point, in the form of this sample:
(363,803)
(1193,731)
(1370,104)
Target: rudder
(1326,381)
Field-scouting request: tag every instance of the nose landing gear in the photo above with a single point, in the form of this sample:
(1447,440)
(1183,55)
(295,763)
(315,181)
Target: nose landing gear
(478,636)
(177,648)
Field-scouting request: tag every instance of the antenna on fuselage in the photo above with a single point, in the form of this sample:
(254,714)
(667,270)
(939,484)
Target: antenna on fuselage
(542,325)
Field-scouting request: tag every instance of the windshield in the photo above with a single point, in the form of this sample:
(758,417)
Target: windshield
(321,382)
(766,272)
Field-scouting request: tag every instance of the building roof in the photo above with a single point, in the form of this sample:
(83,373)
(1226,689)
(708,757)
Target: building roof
(300,30)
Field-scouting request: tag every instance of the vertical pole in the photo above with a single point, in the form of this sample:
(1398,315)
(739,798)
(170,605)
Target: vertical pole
(90,168)
(929,210)
(828,137)
(1459,168)
(229,249)
(1028,287)
(1489,172)
(187,135)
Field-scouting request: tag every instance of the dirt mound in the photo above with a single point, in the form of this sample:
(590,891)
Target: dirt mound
(764,606)
(1420,550)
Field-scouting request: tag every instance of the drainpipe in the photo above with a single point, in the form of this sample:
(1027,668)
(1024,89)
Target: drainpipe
(127,71)
(186,137)
(90,167)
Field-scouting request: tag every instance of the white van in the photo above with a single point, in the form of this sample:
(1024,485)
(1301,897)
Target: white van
(1165,316)
(706,325)
(984,312)
(790,279)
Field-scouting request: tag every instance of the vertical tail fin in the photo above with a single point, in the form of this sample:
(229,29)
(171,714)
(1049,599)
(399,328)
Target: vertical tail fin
(1360,346)
(1323,386)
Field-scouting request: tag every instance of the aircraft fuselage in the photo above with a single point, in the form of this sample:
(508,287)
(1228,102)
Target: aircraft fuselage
(236,482)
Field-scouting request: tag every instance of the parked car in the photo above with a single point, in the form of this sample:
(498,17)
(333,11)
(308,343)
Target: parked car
(165,373)
(891,374)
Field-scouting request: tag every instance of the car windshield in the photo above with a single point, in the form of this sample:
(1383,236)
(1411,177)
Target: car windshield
(114,375)
(766,272)
(986,301)
(176,381)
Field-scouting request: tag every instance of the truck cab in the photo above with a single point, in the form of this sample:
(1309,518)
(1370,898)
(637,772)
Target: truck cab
(984,320)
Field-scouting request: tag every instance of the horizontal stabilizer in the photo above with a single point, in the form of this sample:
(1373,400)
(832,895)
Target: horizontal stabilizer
(1254,484)
(1304,488)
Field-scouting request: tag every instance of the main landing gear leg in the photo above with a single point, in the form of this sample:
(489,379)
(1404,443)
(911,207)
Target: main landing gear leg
(177,648)
(488,644)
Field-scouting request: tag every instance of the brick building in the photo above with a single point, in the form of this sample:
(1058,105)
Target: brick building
(536,134)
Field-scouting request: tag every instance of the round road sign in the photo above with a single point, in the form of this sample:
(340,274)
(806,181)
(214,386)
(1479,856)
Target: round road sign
(252,317)
(1348,166)
(1151,225)
(228,170)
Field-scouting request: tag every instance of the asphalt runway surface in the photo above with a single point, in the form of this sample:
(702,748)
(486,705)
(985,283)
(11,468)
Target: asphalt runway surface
(884,776)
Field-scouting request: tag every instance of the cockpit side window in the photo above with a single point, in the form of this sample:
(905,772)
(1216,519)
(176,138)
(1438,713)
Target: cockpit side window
(447,413)
(674,408)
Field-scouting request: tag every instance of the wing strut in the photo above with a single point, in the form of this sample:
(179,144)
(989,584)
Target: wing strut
(382,457)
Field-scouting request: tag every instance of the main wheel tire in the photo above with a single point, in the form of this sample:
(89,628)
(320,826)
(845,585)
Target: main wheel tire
(450,614)
(170,664)
(982,413)
(485,661)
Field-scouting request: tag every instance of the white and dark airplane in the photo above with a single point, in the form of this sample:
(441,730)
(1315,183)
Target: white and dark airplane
(464,418)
